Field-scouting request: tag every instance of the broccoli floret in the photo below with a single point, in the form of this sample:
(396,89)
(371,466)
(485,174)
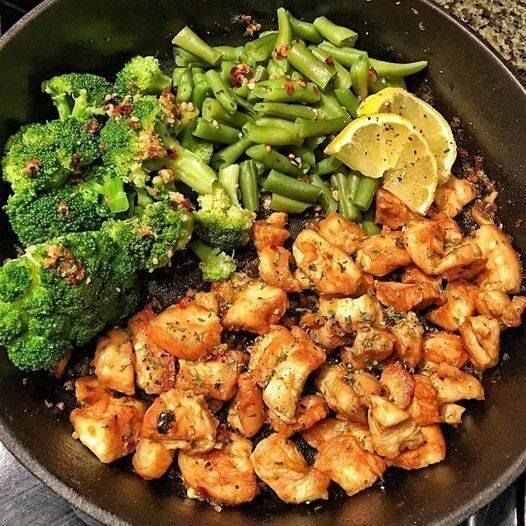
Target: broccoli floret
(73,208)
(61,294)
(215,265)
(220,223)
(80,95)
(141,76)
(151,238)
(43,157)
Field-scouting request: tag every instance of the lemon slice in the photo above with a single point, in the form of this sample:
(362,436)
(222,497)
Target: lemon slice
(423,117)
(389,146)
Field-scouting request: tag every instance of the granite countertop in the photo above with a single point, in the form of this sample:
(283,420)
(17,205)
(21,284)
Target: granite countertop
(26,501)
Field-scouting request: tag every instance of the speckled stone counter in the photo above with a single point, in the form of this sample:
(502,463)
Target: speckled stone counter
(502,23)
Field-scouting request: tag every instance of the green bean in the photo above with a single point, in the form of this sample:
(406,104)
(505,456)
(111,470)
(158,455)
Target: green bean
(306,154)
(326,199)
(353,183)
(189,41)
(229,52)
(225,71)
(272,122)
(182,79)
(342,76)
(244,103)
(248,183)
(314,142)
(216,132)
(396,82)
(285,90)
(228,178)
(283,40)
(203,149)
(213,111)
(374,82)
(348,100)
(302,59)
(260,73)
(320,128)
(242,91)
(331,107)
(305,30)
(201,88)
(296,75)
(365,194)
(260,50)
(280,203)
(271,135)
(273,160)
(345,206)
(278,69)
(327,166)
(183,58)
(360,77)
(291,187)
(348,56)
(231,153)
(221,91)
(338,35)
(285,111)
(368,224)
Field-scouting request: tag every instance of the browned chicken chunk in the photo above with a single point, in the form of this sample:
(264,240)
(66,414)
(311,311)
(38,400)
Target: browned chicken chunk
(89,390)
(270,232)
(404,297)
(453,385)
(481,337)
(311,409)
(424,407)
(452,196)
(398,383)
(381,254)
(274,269)
(341,232)
(329,428)
(409,342)
(445,347)
(498,305)
(390,211)
(352,313)
(152,459)
(371,346)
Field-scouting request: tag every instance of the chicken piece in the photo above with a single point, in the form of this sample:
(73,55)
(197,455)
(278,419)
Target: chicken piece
(409,339)
(279,463)
(451,414)
(497,304)
(256,308)
(283,391)
(247,413)
(432,451)
(341,232)
(227,292)
(371,346)
(503,269)
(311,409)
(326,333)
(381,254)
(365,385)
(404,297)
(464,261)
(352,313)
(60,367)
(180,420)
(151,459)
(390,211)
(222,476)
(110,427)
(114,361)
(270,232)
(424,242)
(89,390)
(481,337)
(329,428)
(444,347)
(451,197)
(329,268)
(453,385)
(154,368)
(399,384)
(460,304)
(424,405)
(452,232)
(392,429)
(348,464)
(412,274)
(187,331)
(274,269)
(216,377)
(207,300)
(267,352)
(333,382)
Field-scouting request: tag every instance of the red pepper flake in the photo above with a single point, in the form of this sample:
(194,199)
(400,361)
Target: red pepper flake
(282,52)
(239,74)
(329,61)
(289,87)
(183,304)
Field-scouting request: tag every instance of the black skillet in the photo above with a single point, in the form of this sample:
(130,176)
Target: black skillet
(484,455)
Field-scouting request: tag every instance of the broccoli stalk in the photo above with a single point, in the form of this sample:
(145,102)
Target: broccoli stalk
(112,190)
(141,76)
(215,265)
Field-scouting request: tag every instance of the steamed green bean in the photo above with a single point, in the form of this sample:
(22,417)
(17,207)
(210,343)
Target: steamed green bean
(285,111)
(287,90)
(302,59)
(220,90)
(338,35)
(274,160)
(280,203)
(323,127)
(291,187)
(231,153)
(186,39)
(305,30)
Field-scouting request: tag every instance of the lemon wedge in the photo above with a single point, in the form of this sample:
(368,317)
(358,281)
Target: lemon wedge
(389,146)
(428,121)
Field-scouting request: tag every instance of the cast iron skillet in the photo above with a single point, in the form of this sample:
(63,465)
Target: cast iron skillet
(484,455)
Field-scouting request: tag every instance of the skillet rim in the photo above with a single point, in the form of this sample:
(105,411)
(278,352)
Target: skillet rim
(86,505)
